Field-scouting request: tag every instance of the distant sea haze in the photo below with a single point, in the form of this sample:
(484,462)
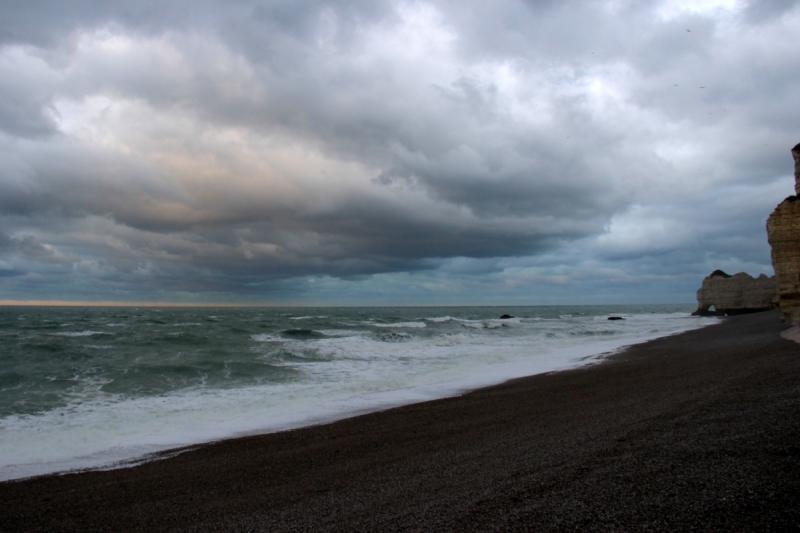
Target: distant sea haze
(102,387)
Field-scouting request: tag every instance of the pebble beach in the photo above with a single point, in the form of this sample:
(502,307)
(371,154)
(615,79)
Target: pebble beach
(693,432)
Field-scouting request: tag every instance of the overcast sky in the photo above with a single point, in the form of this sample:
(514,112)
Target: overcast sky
(363,152)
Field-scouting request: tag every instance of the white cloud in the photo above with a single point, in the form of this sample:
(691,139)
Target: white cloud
(672,9)
(554,146)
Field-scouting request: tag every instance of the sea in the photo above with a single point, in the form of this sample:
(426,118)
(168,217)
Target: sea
(108,387)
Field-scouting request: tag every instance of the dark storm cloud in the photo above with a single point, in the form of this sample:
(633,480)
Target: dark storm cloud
(27,248)
(217,147)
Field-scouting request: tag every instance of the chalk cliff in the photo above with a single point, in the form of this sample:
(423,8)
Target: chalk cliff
(783,234)
(737,294)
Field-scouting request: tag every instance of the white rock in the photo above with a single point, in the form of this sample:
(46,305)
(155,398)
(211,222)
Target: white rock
(740,293)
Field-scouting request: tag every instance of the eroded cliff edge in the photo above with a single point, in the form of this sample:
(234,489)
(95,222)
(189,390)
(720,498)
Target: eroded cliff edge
(783,234)
(734,295)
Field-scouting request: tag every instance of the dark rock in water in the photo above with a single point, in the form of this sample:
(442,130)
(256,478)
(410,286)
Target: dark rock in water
(503,317)
(735,295)
(615,318)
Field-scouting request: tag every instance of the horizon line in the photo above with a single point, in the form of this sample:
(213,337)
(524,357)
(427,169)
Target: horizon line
(113,303)
(116,303)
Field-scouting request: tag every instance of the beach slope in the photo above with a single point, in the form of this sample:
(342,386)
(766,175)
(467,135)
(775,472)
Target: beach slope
(698,431)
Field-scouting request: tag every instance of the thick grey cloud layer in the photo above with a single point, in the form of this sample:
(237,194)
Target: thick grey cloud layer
(390,152)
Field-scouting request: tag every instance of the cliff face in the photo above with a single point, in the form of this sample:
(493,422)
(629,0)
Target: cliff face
(796,156)
(736,294)
(783,234)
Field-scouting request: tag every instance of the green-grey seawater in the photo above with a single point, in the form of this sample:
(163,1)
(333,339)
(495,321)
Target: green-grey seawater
(90,386)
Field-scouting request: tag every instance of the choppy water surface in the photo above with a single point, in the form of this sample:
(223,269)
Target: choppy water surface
(85,387)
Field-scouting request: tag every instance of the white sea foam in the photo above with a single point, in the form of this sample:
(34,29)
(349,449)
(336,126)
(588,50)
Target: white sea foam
(341,332)
(265,337)
(339,374)
(490,324)
(400,325)
(440,319)
(86,333)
